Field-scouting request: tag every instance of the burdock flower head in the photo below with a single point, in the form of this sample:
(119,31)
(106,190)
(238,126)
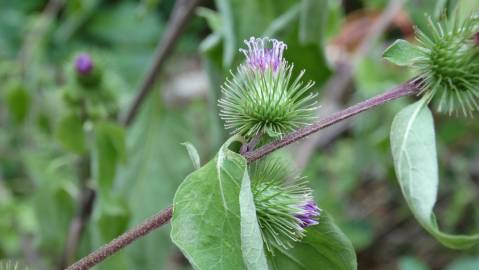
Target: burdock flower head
(263,96)
(448,64)
(284,204)
(83,64)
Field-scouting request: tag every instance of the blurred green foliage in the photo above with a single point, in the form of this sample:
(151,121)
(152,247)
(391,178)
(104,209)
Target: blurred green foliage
(136,171)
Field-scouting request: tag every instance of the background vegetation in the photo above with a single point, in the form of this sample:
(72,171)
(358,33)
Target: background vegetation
(104,177)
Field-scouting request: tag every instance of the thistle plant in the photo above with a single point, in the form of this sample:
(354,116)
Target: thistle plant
(264,96)
(229,211)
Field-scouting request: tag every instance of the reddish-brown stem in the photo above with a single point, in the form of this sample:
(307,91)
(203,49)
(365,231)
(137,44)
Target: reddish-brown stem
(182,13)
(123,240)
(408,88)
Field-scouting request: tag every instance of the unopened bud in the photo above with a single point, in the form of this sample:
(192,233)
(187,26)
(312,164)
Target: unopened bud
(83,64)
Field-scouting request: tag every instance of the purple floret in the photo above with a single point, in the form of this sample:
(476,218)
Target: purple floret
(83,64)
(308,216)
(264,53)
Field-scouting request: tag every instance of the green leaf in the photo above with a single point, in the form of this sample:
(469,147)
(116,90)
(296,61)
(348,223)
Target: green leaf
(402,53)
(206,215)
(468,263)
(18,102)
(109,150)
(413,146)
(54,199)
(157,164)
(251,239)
(70,133)
(212,17)
(325,246)
(193,153)
(312,21)
(411,263)
(227,31)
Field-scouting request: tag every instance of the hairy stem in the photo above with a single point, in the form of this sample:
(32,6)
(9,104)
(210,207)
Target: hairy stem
(406,89)
(123,240)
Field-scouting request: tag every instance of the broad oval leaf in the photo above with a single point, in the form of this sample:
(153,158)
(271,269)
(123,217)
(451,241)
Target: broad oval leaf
(413,146)
(402,53)
(251,239)
(325,246)
(206,215)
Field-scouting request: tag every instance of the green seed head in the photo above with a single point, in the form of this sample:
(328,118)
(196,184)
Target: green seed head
(449,65)
(284,204)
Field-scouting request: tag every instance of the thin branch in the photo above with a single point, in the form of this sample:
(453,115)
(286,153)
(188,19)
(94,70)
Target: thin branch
(406,89)
(182,13)
(123,240)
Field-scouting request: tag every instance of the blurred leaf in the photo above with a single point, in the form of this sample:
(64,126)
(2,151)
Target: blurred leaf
(464,264)
(193,153)
(402,53)
(12,26)
(251,237)
(109,150)
(312,21)
(215,21)
(411,263)
(18,102)
(156,165)
(120,24)
(282,21)
(206,215)
(227,31)
(324,247)
(54,199)
(77,13)
(413,148)
(70,133)
(310,58)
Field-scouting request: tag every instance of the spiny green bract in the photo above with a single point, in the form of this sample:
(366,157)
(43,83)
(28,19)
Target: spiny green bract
(263,97)
(284,203)
(449,64)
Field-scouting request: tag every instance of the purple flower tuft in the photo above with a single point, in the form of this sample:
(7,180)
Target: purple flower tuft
(308,216)
(83,63)
(264,53)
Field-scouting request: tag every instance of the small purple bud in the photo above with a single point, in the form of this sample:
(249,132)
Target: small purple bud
(83,64)
(264,53)
(308,216)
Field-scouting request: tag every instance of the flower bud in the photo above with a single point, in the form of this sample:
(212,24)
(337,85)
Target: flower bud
(264,97)
(88,74)
(83,64)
